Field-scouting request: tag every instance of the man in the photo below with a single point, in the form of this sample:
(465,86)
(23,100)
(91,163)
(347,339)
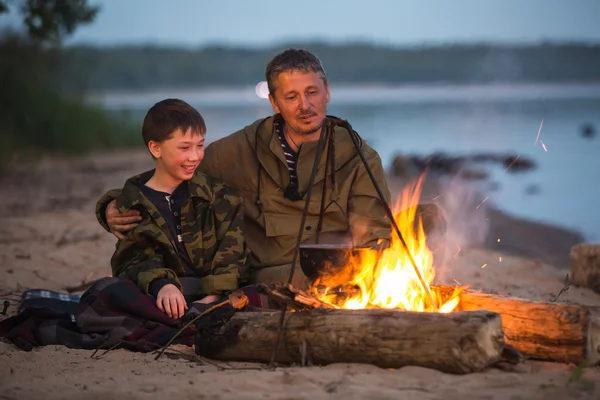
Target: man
(270,163)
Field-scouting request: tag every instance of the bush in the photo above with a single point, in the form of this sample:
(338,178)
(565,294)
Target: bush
(36,117)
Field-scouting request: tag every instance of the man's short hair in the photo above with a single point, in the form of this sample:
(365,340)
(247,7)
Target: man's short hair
(293,59)
(169,115)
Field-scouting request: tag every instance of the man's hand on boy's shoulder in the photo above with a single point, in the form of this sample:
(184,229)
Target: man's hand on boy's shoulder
(119,223)
(170,300)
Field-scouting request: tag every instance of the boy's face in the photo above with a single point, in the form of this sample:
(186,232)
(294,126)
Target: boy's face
(180,155)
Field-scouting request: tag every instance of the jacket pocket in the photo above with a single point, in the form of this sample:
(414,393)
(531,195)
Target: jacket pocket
(286,225)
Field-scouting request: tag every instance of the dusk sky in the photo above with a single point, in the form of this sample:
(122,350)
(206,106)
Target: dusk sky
(401,22)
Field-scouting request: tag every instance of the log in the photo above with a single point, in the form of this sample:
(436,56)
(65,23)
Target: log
(561,332)
(585,265)
(459,342)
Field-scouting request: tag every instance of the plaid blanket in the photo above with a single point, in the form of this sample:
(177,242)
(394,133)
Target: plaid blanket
(111,313)
(61,302)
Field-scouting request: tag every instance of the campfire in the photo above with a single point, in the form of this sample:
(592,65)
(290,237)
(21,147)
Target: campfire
(356,312)
(386,278)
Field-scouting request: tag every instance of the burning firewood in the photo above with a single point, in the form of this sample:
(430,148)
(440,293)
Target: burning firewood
(585,265)
(295,299)
(561,332)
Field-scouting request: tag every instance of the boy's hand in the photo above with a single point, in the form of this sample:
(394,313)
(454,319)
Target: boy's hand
(120,223)
(171,301)
(211,298)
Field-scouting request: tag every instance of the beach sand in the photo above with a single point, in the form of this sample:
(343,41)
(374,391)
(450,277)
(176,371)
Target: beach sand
(49,238)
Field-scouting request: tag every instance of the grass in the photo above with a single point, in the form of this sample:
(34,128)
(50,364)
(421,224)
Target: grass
(43,121)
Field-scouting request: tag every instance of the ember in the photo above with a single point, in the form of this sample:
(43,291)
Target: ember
(387,279)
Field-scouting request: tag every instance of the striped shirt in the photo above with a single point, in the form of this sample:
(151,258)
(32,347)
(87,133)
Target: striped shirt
(290,155)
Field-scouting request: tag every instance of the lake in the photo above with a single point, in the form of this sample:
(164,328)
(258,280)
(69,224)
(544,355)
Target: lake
(457,120)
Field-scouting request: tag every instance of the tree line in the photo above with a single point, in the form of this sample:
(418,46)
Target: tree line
(146,67)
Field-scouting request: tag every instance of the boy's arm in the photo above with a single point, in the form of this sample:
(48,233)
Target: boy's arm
(229,263)
(137,260)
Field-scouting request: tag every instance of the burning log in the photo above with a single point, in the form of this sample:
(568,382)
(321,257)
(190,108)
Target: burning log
(561,332)
(459,342)
(585,265)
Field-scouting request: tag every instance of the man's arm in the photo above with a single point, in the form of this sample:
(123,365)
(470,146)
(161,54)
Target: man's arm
(111,219)
(366,214)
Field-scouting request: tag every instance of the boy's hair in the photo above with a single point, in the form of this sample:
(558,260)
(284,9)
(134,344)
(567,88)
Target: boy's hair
(293,59)
(169,115)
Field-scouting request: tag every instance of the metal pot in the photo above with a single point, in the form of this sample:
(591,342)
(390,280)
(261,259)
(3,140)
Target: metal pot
(320,261)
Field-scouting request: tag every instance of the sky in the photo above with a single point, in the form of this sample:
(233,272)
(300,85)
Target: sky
(389,22)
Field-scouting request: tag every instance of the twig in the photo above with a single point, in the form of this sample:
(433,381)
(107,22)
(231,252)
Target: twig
(106,351)
(196,318)
(564,289)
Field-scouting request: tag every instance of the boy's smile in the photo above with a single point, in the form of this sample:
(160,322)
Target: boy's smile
(176,159)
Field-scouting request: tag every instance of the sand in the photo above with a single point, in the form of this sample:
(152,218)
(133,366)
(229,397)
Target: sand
(49,238)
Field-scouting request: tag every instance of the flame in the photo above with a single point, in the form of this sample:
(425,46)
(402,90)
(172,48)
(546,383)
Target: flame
(387,278)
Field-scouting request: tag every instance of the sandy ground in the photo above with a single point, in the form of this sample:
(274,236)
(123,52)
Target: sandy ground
(49,239)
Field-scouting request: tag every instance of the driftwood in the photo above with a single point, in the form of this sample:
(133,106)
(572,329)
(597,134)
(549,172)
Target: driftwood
(459,342)
(585,265)
(550,331)
(561,332)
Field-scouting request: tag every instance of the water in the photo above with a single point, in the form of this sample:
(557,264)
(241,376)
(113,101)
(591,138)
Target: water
(456,120)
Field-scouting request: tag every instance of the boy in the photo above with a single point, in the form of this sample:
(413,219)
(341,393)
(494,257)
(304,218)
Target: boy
(188,246)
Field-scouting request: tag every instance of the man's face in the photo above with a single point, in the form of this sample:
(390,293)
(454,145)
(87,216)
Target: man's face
(180,155)
(301,98)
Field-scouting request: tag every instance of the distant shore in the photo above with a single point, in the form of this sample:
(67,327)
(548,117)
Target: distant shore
(240,95)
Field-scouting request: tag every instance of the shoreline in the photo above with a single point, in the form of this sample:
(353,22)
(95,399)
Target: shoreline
(343,94)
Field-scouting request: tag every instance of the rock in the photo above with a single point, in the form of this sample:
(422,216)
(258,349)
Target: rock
(494,186)
(487,157)
(401,166)
(517,163)
(474,174)
(588,131)
(532,189)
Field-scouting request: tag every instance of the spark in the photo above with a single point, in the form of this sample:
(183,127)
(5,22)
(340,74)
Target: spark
(513,162)
(484,200)
(538,135)
(457,282)
(500,259)
(544,146)
(457,251)
(483,266)
(438,196)
(498,240)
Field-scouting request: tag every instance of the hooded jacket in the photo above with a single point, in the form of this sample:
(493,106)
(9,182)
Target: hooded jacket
(211,220)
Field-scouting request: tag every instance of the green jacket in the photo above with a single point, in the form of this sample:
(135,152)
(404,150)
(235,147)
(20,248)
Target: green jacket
(354,212)
(211,220)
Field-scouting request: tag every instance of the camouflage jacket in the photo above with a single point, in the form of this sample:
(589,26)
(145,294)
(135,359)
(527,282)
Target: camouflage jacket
(211,220)
(353,210)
